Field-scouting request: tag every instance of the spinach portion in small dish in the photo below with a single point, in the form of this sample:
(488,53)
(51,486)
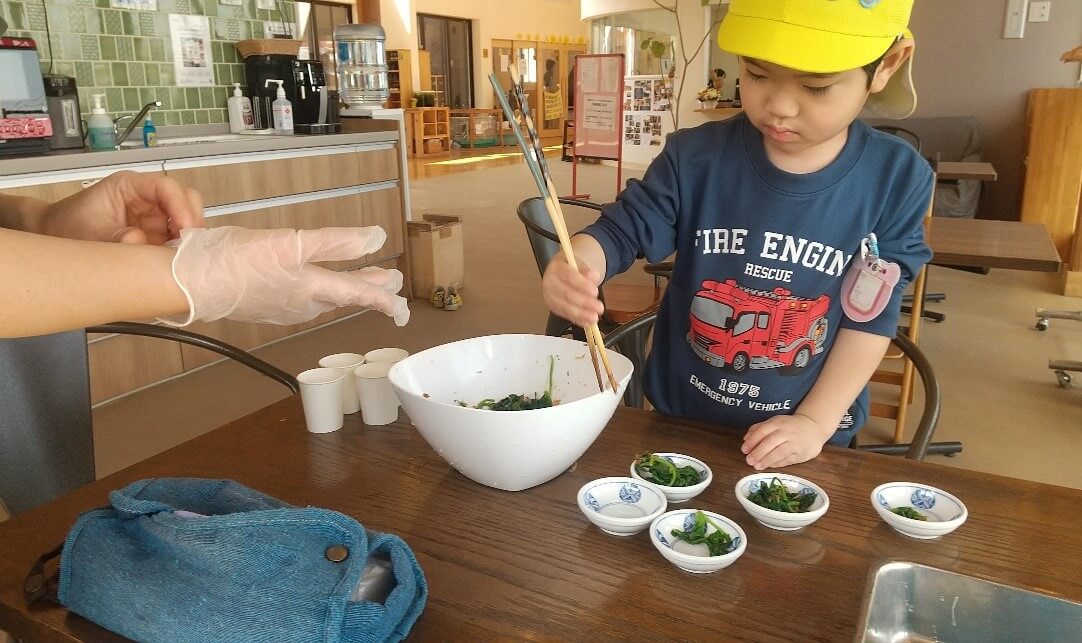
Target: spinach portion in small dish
(778,497)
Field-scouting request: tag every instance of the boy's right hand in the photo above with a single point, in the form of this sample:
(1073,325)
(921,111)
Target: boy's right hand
(572,294)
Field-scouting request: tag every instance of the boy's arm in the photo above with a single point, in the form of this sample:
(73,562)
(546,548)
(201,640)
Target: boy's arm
(642,221)
(788,439)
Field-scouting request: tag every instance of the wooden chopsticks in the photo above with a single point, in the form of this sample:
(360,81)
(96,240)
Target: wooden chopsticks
(535,160)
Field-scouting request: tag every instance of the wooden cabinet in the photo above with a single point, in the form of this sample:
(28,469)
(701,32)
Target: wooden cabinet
(123,363)
(383,207)
(226,179)
(328,185)
(1053,182)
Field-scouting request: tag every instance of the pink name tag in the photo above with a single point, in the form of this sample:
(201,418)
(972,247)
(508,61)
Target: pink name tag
(867,287)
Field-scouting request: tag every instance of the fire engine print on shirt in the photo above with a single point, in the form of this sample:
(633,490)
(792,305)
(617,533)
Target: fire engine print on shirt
(738,328)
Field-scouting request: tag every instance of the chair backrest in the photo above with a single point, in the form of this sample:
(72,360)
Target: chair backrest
(539,229)
(46,441)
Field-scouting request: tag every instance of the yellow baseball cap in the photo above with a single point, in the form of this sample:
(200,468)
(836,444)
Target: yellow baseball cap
(825,36)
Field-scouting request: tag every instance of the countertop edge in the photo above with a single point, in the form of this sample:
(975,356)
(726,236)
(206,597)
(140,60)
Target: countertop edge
(61,162)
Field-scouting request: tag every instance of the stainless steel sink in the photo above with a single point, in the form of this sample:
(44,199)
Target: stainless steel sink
(910,602)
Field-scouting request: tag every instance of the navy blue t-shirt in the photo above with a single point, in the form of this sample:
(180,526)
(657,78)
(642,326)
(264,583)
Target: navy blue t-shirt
(754,302)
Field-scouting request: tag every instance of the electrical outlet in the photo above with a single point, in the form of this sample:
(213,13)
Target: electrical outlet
(1014,25)
(1039,11)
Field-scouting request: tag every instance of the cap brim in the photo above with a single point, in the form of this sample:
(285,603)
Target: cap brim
(795,47)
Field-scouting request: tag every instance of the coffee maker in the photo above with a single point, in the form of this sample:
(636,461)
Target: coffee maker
(315,109)
(260,68)
(63,101)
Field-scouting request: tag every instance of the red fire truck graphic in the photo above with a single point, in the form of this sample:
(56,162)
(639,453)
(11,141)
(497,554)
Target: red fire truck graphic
(745,328)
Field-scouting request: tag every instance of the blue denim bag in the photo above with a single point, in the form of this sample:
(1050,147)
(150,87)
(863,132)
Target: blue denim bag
(194,560)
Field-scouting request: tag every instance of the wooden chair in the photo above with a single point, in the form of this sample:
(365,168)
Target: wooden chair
(46,437)
(623,302)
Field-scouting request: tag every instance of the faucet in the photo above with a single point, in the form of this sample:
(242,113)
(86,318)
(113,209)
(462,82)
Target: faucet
(134,121)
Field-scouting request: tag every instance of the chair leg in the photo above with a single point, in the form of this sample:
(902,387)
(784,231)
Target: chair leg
(634,348)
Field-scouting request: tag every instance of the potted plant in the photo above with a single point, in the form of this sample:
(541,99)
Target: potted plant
(708,98)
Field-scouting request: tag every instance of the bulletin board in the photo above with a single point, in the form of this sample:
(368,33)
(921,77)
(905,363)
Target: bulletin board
(599,93)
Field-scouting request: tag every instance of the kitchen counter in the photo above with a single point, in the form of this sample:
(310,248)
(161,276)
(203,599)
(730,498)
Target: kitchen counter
(364,131)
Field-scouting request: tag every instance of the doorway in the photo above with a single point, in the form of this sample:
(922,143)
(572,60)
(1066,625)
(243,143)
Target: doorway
(449,44)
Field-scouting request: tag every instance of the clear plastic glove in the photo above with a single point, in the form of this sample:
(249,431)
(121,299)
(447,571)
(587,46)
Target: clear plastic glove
(267,276)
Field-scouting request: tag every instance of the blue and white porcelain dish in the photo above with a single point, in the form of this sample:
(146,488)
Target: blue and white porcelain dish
(781,520)
(677,495)
(695,558)
(943,511)
(621,506)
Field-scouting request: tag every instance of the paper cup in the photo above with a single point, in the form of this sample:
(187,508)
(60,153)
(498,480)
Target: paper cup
(379,404)
(346,362)
(386,356)
(321,395)
(389,356)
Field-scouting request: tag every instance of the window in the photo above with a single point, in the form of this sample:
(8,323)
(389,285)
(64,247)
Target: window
(711,312)
(744,323)
(764,320)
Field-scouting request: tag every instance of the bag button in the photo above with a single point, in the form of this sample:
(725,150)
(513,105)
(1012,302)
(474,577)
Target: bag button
(337,553)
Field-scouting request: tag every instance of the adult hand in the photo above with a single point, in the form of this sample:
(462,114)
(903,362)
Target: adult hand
(572,294)
(783,440)
(267,275)
(126,207)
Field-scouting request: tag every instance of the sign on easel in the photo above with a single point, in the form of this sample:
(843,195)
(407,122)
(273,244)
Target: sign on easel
(599,112)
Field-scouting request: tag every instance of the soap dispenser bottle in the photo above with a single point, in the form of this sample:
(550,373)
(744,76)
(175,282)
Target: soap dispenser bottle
(281,108)
(240,111)
(101,131)
(150,134)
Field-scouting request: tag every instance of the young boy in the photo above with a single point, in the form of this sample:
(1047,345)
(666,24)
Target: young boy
(768,213)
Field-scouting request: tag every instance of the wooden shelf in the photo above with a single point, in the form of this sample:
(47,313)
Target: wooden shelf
(425,124)
(399,73)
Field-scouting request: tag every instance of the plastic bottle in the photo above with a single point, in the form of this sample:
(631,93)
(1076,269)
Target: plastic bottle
(240,111)
(282,109)
(101,132)
(150,134)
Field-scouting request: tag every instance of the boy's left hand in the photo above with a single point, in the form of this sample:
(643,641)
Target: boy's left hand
(783,440)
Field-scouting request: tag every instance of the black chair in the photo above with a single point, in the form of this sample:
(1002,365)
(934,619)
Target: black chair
(922,441)
(545,245)
(46,438)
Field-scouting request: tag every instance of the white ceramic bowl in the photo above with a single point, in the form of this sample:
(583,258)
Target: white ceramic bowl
(781,520)
(621,506)
(695,558)
(510,450)
(944,512)
(677,495)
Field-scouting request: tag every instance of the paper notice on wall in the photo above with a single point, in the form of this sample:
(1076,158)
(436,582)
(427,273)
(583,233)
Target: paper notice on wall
(266,5)
(505,63)
(192,57)
(588,70)
(599,112)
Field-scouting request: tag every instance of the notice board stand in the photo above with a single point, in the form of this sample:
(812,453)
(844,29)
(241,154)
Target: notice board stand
(599,113)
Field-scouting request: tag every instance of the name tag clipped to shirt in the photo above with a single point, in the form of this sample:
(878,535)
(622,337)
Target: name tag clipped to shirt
(867,286)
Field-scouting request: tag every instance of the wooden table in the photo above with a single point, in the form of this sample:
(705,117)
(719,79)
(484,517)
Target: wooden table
(528,564)
(980,170)
(993,244)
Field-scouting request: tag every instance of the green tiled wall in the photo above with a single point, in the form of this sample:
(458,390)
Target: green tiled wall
(127,55)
